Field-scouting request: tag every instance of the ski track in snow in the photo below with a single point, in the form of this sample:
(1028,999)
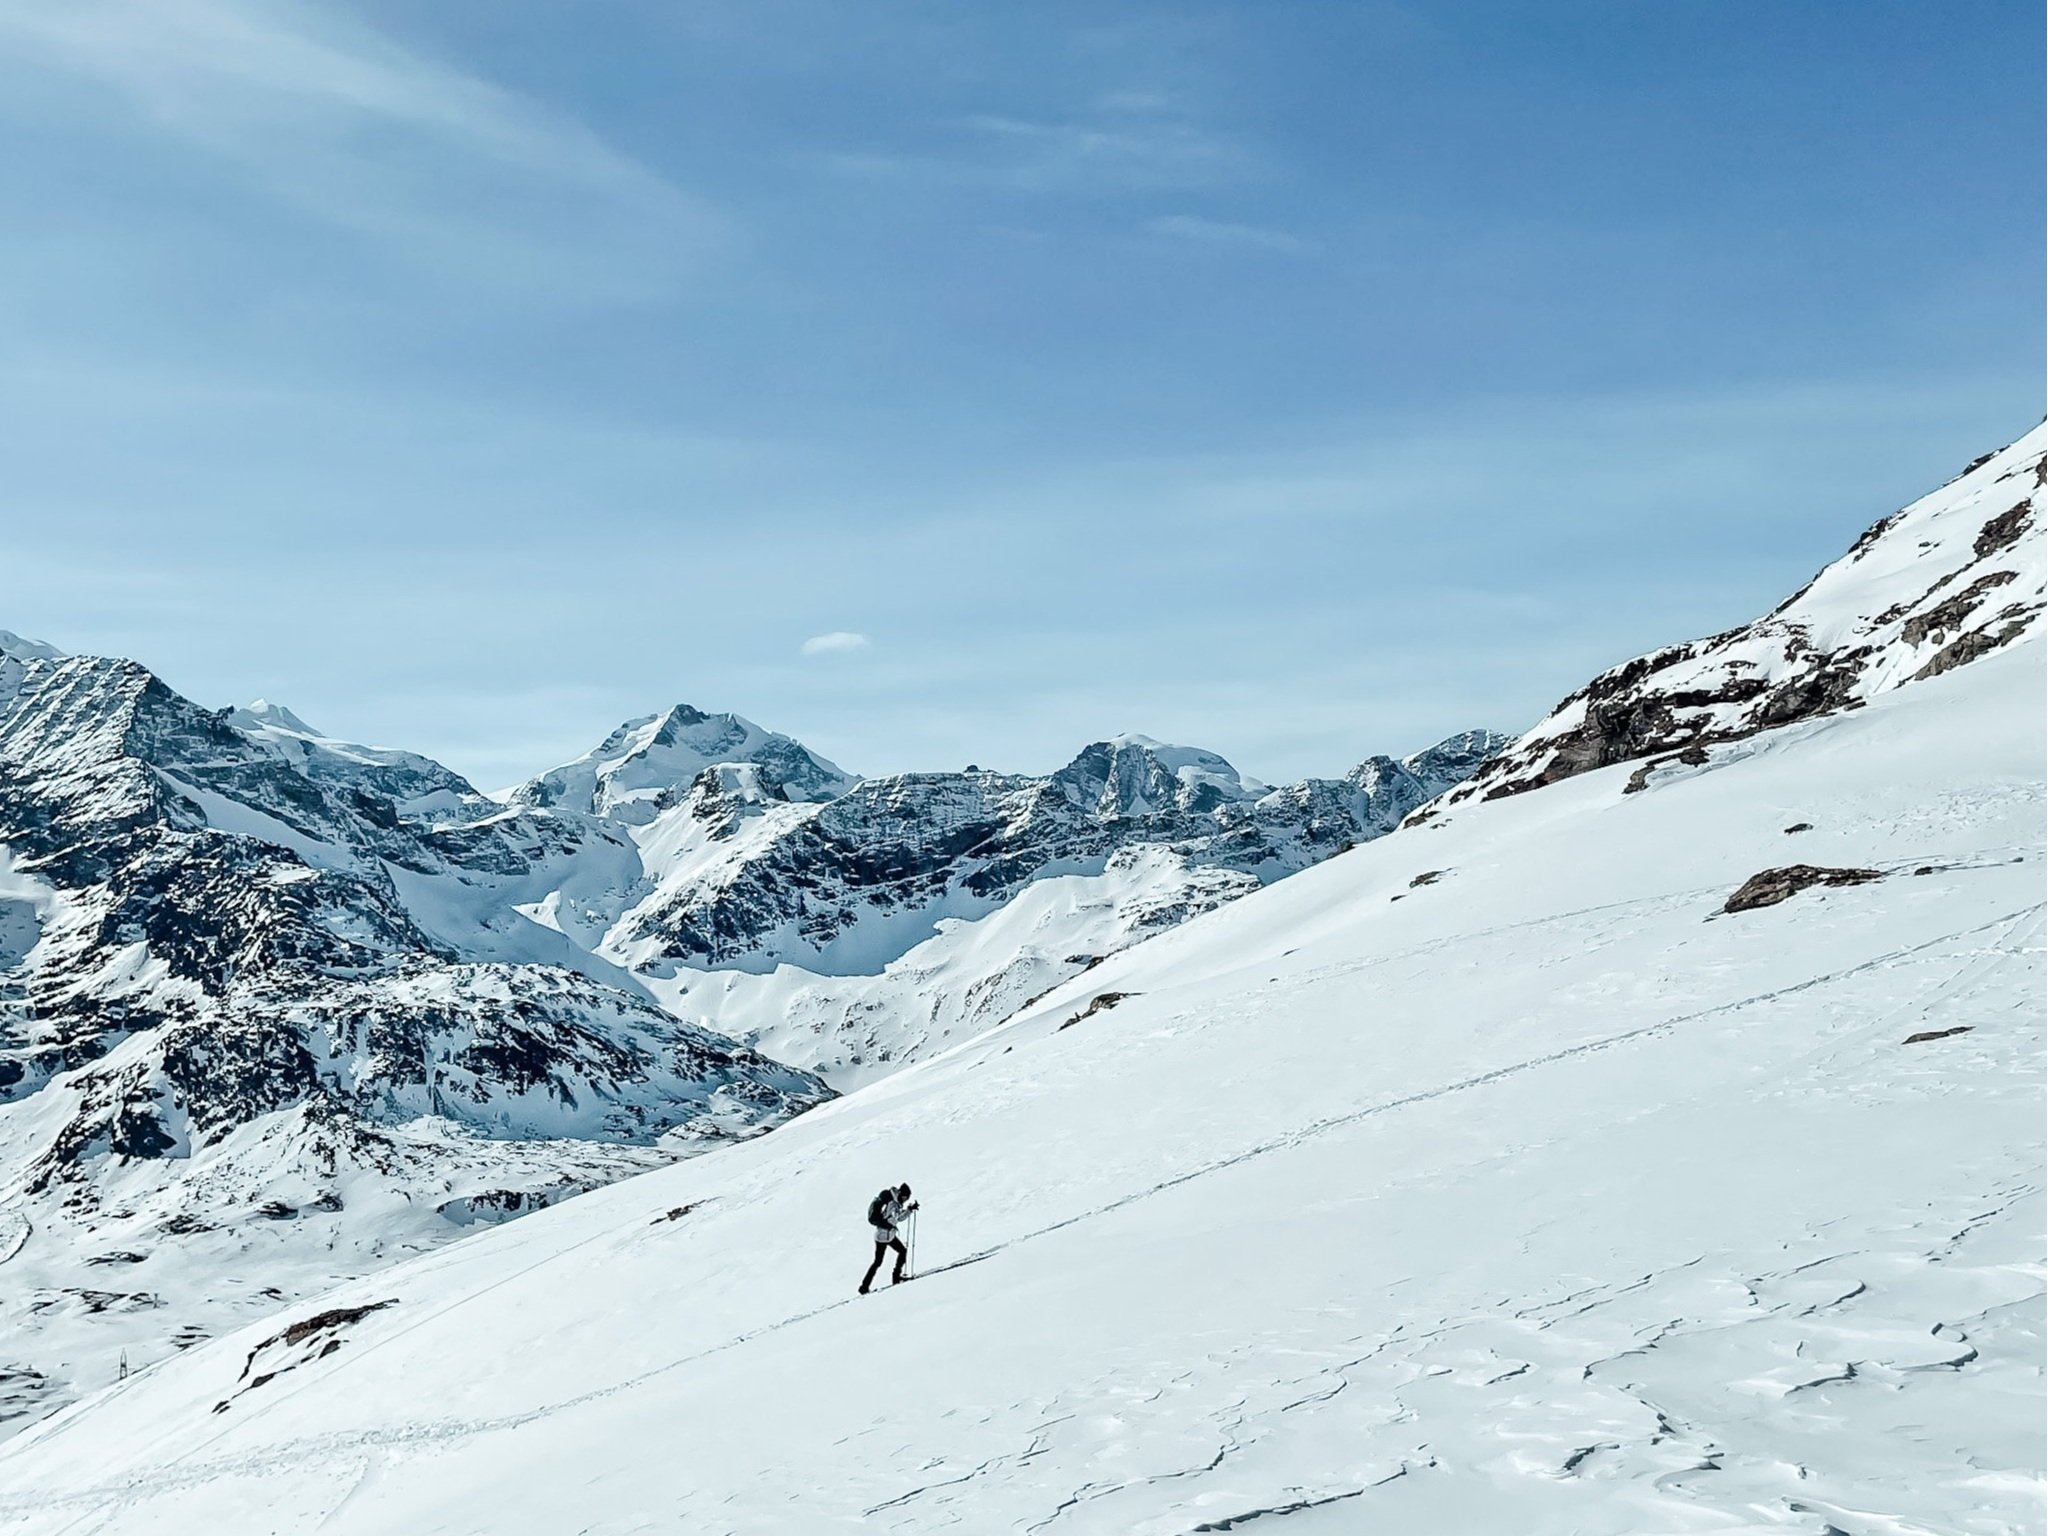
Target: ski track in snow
(1549,1200)
(195,1472)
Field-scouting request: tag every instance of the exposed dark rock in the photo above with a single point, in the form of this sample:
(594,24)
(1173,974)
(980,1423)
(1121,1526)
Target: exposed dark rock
(1100,1002)
(1950,613)
(281,1353)
(2004,530)
(1938,1034)
(1694,756)
(1884,525)
(321,1322)
(1772,886)
(1967,648)
(1797,663)
(24,1391)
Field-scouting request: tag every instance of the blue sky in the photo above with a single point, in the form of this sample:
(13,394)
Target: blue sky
(1301,380)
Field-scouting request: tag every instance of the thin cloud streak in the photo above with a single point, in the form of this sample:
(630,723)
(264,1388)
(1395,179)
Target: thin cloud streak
(1139,144)
(438,166)
(1184,226)
(838,642)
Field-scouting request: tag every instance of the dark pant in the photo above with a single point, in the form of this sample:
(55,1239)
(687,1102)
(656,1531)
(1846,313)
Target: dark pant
(902,1257)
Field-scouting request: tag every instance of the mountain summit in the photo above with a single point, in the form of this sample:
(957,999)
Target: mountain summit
(644,766)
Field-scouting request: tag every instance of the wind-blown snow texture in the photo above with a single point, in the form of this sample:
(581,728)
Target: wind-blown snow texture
(275,1007)
(1494,1177)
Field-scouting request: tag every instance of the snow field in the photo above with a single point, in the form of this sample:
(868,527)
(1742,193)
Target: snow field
(1540,1196)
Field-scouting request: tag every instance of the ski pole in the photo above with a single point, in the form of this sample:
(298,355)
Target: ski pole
(913,1245)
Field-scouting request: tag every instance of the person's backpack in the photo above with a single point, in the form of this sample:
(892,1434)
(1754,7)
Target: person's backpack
(878,1209)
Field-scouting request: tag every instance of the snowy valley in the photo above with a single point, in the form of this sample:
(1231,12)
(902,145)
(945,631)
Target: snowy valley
(1645,1136)
(278,1009)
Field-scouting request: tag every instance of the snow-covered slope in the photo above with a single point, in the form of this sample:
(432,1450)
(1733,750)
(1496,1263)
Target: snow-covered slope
(235,1035)
(275,1006)
(1650,1152)
(418,786)
(642,766)
(1490,1178)
(1952,577)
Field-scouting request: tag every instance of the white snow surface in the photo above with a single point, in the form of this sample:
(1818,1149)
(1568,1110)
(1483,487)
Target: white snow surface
(530,1086)
(637,770)
(1539,1196)
(974,971)
(1953,576)
(12,644)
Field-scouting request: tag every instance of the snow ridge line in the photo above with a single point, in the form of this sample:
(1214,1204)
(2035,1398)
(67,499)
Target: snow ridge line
(295,1452)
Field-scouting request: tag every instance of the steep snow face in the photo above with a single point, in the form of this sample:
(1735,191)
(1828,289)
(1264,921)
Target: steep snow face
(1955,576)
(1492,1177)
(642,767)
(25,649)
(418,786)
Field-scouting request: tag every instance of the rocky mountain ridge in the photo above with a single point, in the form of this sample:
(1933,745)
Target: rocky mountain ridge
(1952,577)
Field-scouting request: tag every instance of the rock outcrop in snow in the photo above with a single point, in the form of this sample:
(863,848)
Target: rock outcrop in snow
(1955,576)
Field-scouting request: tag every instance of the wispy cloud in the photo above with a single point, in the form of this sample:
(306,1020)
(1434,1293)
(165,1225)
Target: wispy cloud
(1123,152)
(839,640)
(347,125)
(1186,226)
(1123,142)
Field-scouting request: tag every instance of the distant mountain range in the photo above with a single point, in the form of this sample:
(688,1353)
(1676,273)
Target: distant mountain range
(250,973)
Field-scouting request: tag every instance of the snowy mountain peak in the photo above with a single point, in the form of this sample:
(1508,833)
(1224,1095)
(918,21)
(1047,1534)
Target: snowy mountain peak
(261,713)
(1455,758)
(1960,573)
(25,649)
(1132,775)
(644,766)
